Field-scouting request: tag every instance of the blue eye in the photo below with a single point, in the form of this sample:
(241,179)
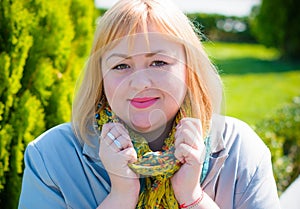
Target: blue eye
(158,63)
(121,67)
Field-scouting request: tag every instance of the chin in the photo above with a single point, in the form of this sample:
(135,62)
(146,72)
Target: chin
(140,127)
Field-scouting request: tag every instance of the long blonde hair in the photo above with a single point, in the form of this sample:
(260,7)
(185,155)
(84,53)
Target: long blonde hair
(125,18)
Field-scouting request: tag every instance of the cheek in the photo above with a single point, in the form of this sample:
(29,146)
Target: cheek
(179,87)
(177,82)
(111,88)
(179,91)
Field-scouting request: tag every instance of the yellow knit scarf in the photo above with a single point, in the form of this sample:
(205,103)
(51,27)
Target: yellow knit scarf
(156,190)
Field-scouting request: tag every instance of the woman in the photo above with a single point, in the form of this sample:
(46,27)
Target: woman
(145,130)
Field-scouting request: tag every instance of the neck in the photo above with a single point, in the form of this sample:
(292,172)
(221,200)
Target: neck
(157,137)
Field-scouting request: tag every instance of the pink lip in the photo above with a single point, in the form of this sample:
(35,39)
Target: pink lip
(143,102)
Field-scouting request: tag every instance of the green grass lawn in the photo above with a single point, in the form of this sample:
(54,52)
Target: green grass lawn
(256,83)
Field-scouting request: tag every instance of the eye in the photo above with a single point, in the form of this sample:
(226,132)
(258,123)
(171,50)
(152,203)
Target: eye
(158,63)
(121,67)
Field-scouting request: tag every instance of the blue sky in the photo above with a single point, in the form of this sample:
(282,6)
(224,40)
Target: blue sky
(226,7)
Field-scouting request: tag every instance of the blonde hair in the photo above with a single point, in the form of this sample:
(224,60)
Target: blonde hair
(125,18)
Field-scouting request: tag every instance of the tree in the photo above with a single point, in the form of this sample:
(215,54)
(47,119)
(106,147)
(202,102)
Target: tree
(43,47)
(276,24)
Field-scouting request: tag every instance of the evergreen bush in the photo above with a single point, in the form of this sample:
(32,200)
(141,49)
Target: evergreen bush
(282,134)
(43,47)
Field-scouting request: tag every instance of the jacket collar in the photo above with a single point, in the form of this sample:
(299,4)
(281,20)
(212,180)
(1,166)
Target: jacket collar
(219,153)
(91,149)
(218,130)
(218,149)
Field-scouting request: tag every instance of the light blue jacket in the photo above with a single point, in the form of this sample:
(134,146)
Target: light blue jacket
(62,172)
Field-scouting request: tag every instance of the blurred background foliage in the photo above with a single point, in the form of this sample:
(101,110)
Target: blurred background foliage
(275,23)
(44,46)
(282,134)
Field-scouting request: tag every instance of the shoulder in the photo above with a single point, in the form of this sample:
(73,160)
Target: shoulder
(248,155)
(244,150)
(232,135)
(55,142)
(51,152)
(57,163)
(241,166)
(56,136)
(239,135)
(249,159)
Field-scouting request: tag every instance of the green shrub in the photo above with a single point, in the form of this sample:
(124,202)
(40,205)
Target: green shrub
(43,47)
(282,135)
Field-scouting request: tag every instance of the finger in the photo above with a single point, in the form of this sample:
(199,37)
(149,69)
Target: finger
(182,152)
(111,136)
(195,122)
(117,144)
(188,133)
(125,141)
(186,123)
(106,147)
(115,128)
(110,142)
(129,154)
(116,131)
(189,137)
(187,154)
(120,128)
(106,128)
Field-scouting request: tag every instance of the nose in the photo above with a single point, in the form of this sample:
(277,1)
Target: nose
(140,80)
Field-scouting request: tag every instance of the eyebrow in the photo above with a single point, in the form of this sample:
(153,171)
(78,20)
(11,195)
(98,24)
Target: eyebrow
(125,56)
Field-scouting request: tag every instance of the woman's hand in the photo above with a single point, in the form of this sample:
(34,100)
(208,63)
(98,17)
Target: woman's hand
(115,155)
(189,147)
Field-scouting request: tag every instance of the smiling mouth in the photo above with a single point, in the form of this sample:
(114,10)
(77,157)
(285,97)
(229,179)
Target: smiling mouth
(143,102)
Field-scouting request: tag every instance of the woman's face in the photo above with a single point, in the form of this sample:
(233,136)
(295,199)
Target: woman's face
(144,82)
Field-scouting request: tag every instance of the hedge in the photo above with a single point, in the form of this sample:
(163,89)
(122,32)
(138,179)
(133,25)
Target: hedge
(43,47)
(282,134)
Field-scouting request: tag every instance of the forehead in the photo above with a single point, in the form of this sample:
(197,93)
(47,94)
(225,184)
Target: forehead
(143,43)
